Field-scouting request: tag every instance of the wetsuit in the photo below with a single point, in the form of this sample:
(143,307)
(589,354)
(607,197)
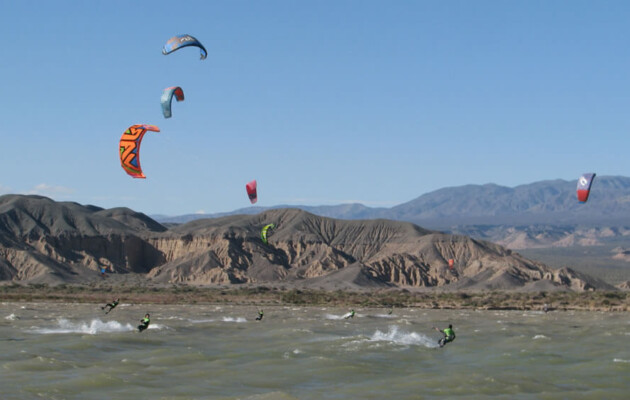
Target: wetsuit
(351,314)
(260,316)
(144,324)
(449,336)
(110,305)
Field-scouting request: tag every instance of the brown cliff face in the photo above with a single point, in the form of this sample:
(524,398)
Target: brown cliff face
(305,247)
(48,241)
(62,242)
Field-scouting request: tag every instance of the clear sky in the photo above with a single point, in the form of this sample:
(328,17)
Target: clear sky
(323,102)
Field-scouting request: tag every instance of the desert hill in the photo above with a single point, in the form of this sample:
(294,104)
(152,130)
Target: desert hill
(38,215)
(543,220)
(46,241)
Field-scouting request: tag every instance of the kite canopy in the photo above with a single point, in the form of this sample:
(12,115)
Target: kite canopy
(267,230)
(129,148)
(167,99)
(177,42)
(584,186)
(251,191)
(451,263)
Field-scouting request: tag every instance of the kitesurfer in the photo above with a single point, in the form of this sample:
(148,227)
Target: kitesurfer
(260,315)
(111,305)
(449,335)
(144,323)
(350,315)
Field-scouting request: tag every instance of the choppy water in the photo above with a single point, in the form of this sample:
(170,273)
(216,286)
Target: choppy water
(75,351)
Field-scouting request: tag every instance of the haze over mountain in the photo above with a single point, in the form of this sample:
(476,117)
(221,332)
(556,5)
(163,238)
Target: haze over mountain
(550,202)
(45,241)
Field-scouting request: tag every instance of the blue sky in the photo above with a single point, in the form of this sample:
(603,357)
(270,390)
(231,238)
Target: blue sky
(323,102)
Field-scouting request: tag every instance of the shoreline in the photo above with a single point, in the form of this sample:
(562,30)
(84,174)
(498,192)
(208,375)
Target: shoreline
(265,296)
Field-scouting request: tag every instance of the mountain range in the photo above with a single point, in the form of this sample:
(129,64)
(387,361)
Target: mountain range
(57,242)
(550,202)
(536,215)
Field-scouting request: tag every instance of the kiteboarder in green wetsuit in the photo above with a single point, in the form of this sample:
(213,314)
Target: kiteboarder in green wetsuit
(144,323)
(260,315)
(111,305)
(449,335)
(350,314)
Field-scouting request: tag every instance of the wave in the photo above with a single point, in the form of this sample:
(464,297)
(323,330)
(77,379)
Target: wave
(403,338)
(232,319)
(337,317)
(12,317)
(201,321)
(93,327)
(619,360)
(301,330)
(287,355)
(540,337)
(278,395)
(385,316)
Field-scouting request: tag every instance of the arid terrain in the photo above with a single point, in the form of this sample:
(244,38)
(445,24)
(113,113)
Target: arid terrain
(542,220)
(48,242)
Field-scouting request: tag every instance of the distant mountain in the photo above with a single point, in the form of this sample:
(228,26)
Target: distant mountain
(342,211)
(50,242)
(547,202)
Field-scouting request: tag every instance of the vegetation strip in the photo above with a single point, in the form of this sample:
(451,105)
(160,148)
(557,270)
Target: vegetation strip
(262,295)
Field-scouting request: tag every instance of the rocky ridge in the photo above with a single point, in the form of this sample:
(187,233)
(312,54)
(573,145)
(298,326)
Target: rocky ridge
(46,241)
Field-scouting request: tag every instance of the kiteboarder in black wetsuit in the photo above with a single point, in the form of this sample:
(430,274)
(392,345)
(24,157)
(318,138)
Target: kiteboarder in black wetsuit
(111,305)
(260,315)
(144,323)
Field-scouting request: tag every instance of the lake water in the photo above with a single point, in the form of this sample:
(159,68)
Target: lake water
(75,351)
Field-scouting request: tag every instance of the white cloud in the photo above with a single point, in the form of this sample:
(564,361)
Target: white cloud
(200,212)
(44,189)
